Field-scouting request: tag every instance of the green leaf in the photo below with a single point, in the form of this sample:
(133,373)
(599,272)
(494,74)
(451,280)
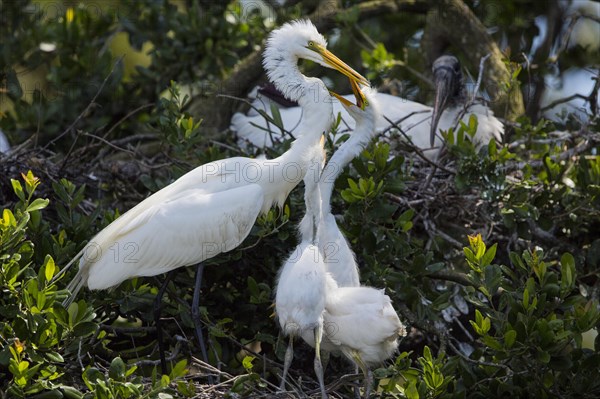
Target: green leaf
(567,270)
(509,338)
(353,186)
(489,256)
(18,189)
(38,203)
(49,267)
(117,369)
(247,363)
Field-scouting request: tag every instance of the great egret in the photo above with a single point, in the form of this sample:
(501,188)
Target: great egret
(414,118)
(212,208)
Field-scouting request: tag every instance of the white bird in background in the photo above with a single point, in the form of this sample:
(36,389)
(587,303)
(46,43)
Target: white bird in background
(4,144)
(450,96)
(414,118)
(212,208)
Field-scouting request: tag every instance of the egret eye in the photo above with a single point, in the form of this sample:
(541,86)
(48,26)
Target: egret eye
(311,44)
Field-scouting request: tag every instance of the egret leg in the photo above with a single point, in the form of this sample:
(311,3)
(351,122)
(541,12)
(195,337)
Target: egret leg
(289,355)
(158,323)
(196,314)
(318,364)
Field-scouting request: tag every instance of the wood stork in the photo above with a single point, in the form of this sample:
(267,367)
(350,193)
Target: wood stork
(212,208)
(414,118)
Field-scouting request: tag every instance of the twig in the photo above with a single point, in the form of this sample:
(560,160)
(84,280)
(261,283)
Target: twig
(93,101)
(170,358)
(480,362)
(417,149)
(129,115)
(457,277)
(108,143)
(480,77)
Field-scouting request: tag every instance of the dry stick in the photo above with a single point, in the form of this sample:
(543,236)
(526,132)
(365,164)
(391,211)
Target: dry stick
(108,143)
(170,358)
(417,150)
(230,378)
(67,130)
(480,362)
(129,115)
(564,42)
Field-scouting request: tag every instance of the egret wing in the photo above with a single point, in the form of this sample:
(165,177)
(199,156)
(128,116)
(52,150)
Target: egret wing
(179,232)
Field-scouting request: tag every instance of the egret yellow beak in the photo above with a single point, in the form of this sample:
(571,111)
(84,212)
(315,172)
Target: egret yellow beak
(361,100)
(339,65)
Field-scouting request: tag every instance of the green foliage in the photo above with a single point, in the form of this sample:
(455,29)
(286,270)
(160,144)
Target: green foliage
(530,295)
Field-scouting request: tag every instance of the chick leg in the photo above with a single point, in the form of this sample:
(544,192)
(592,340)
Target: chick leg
(289,355)
(367,373)
(318,364)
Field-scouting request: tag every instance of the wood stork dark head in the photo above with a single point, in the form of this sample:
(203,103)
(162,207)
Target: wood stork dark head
(449,86)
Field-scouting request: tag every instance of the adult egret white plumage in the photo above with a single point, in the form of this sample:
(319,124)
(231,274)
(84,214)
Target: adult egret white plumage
(414,118)
(212,208)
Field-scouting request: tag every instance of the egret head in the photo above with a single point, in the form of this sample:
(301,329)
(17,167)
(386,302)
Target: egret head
(300,39)
(448,78)
(365,111)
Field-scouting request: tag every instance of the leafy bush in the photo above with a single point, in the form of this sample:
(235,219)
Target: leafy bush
(491,256)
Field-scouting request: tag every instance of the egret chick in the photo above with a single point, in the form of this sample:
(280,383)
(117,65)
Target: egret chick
(300,292)
(358,321)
